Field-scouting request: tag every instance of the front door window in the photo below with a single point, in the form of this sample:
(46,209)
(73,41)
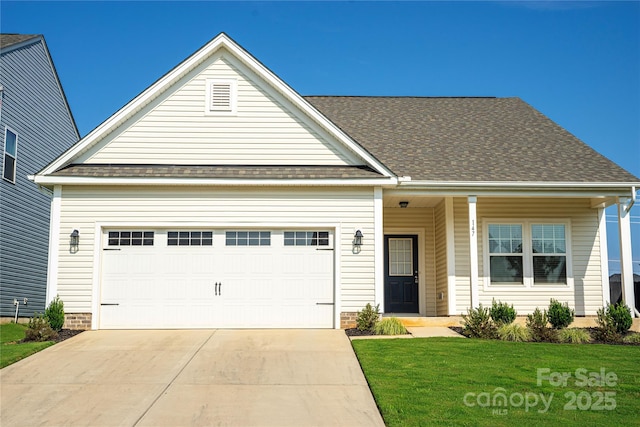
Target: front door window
(401,256)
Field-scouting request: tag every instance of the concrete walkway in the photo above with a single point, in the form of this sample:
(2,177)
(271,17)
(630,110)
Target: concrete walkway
(180,378)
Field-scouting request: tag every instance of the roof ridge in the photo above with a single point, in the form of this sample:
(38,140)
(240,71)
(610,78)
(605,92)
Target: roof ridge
(408,96)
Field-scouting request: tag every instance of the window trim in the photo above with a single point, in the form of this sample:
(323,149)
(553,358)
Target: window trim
(233,97)
(7,129)
(527,254)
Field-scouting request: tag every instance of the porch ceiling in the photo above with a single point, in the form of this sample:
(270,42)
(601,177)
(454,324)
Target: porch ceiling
(414,201)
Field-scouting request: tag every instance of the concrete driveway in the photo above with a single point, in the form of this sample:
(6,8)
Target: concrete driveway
(196,377)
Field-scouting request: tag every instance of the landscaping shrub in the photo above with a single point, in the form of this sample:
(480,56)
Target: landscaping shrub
(574,336)
(368,317)
(620,316)
(613,321)
(502,313)
(54,314)
(389,326)
(39,329)
(514,332)
(560,315)
(606,330)
(477,323)
(537,325)
(632,339)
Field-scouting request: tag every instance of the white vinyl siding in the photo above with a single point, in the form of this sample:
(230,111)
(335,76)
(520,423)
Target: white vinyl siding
(585,295)
(414,219)
(225,209)
(440,247)
(265,128)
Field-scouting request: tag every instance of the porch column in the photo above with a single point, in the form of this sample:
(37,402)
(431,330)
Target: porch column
(473,251)
(378,236)
(626,268)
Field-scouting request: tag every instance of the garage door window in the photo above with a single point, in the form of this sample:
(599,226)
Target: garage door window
(190,238)
(306,238)
(248,238)
(131,238)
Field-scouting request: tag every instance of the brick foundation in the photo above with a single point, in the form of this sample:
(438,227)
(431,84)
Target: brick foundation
(78,321)
(348,319)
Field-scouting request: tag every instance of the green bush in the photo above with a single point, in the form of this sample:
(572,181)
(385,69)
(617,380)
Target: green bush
(477,323)
(389,326)
(537,324)
(632,338)
(54,314)
(560,315)
(621,317)
(606,330)
(502,313)
(574,336)
(514,332)
(39,329)
(368,317)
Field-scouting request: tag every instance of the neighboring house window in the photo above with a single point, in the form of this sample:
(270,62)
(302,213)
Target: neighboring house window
(306,238)
(10,155)
(131,238)
(248,238)
(190,238)
(527,253)
(221,96)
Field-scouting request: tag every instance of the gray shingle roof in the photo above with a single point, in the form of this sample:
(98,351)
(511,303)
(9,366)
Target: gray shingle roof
(217,171)
(7,40)
(467,140)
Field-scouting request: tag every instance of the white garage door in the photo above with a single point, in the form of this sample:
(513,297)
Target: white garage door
(217,279)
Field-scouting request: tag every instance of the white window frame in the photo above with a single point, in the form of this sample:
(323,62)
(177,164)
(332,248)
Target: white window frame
(7,129)
(233,97)
(527,254)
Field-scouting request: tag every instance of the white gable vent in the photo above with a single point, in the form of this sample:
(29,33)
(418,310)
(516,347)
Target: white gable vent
(221,96)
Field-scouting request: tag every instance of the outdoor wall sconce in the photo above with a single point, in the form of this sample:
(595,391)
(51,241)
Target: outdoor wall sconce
(357,239)
(74,241)
(403,204)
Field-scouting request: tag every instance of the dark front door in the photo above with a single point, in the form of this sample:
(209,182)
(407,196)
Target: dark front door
(401,274)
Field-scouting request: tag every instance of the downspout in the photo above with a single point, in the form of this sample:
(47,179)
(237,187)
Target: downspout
(633,200)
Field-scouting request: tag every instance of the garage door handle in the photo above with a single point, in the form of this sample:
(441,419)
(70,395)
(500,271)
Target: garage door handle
(109,304)
(218,288)
(324,303)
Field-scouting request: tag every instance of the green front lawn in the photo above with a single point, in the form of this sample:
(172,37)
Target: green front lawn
(453,381)
(11,350)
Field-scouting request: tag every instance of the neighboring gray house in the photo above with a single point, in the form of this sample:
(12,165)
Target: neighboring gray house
(36,125)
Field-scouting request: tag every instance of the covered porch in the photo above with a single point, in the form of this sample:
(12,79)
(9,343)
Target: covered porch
(442,252)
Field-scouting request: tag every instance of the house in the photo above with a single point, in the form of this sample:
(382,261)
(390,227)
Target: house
(220,197)
(36,126)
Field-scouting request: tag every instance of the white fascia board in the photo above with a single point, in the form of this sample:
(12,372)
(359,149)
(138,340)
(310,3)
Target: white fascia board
(222,40)
(57,180)
(540,189)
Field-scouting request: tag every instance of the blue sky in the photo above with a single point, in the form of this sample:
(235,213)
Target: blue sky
(576,62)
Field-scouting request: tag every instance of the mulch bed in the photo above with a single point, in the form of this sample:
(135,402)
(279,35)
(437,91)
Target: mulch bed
(355,332)
(65,334)
(591,331)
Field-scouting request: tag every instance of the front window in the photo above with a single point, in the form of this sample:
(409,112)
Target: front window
(527,253)
(10,155)
(505,253)
(549,248)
